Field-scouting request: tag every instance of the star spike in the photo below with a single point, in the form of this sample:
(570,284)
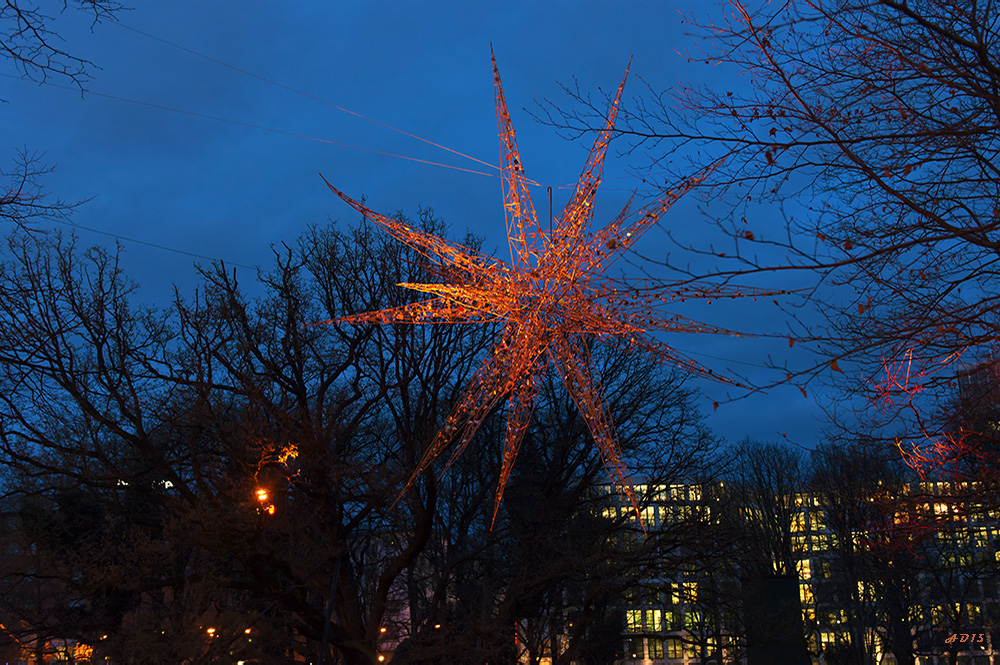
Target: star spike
(552,299)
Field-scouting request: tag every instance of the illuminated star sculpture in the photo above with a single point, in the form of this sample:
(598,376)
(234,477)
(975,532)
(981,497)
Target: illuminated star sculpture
(550,299)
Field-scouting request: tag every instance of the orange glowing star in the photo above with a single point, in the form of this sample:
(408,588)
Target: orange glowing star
(551,298)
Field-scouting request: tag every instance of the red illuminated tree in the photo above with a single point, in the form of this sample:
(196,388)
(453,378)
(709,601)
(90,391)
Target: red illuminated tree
(871,128)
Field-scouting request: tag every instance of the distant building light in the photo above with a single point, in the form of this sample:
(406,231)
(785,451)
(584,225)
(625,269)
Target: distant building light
(211,631)
(382,629)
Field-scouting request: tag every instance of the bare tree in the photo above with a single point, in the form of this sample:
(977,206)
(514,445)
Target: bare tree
(767,479)
(555,566)
(248,460)
(29,41)
(871,127)
(23,201)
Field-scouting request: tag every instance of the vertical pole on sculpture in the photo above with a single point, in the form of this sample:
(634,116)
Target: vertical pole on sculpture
(550,210)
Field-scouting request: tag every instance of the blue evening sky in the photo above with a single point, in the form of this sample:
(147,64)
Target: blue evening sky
(231,191)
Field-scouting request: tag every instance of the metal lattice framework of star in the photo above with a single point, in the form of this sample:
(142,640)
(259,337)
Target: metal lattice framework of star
(551,299)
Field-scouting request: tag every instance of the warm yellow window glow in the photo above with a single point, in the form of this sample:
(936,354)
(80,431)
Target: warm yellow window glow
(799,522)
(649,515)
(654,621)
(805,570)
(633,621)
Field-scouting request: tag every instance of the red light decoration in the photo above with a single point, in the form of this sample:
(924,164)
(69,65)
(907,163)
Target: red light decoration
(550,299)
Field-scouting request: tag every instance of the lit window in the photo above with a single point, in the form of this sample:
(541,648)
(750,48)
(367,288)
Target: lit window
(675,594)
(799,522)
(674,648)
(633,620)
(649,516)
(805,571)
(655,647)
(654,621)
(975,614)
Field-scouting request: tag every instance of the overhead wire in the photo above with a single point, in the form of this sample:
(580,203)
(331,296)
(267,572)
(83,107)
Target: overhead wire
(232,122)
(150,244)
(272,130)
(317,99)
(260,127)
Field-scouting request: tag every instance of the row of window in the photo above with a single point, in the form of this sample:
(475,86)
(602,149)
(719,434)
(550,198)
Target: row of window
(655,648)
(660,621)
(658,515)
